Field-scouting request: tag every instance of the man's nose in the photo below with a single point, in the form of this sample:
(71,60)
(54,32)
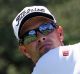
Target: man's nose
(41,37)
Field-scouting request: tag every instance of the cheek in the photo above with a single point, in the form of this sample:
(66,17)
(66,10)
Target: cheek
(55,38)
(31,47)
(32,50)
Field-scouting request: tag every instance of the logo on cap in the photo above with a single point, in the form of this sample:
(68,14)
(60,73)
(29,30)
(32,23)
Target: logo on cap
(28,11)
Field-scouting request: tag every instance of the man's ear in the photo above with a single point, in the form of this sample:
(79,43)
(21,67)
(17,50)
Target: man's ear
(60,33)
(24,50)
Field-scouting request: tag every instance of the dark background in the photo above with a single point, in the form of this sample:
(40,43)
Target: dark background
(67,13)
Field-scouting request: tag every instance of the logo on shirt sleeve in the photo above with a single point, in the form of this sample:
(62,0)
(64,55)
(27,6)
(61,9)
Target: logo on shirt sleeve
(65,53)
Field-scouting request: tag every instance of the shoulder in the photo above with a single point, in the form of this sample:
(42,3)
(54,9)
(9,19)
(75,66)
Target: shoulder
(76,51)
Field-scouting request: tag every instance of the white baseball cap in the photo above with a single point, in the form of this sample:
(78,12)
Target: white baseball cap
(29,12)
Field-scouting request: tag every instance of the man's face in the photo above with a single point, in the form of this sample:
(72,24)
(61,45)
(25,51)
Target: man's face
(42,43)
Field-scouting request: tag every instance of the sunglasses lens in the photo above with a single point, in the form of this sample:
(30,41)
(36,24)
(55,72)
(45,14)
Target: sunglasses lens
(31,36)
(46,28)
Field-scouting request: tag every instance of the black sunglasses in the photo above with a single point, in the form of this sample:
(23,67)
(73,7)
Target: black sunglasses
(31,35)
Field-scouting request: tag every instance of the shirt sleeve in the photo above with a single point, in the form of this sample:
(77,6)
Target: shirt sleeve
(54,63)
(43,66)
(58,61)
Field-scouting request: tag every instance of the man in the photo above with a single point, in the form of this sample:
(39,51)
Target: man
(37,32)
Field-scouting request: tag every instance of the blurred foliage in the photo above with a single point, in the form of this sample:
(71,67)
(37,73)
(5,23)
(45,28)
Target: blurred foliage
(67,13)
